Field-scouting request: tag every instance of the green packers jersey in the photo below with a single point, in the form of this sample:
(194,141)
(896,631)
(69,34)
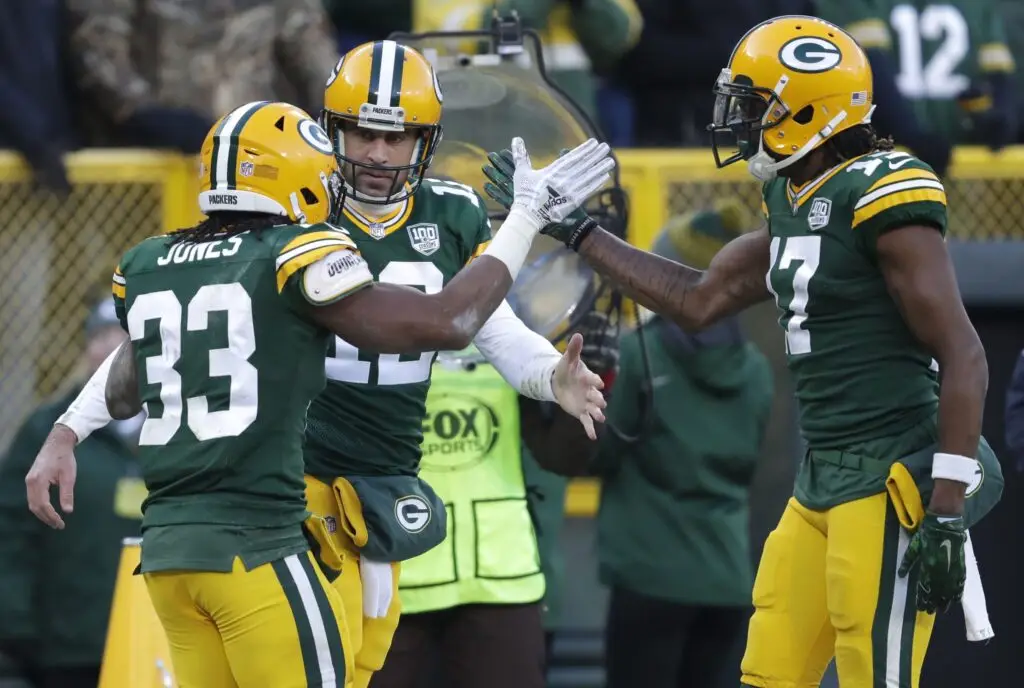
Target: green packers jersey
(228,360)
(859,372)
(369,419)
(941,49)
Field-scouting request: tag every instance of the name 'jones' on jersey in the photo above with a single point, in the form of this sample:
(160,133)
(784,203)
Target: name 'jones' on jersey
(369,419)
(859,371)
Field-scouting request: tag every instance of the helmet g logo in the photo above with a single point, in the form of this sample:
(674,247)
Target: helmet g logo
(315,136)
(413,513)
(808,54)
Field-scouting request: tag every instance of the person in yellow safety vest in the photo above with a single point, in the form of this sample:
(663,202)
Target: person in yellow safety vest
(472,606)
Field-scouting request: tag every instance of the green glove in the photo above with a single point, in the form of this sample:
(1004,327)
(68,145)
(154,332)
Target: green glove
(937,552)
(571,231)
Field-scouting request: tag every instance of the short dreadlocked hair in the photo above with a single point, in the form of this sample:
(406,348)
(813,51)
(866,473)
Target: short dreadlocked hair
(225,223)
(859,140)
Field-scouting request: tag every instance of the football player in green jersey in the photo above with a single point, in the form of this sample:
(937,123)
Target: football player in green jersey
(873,541)
(382,111)
(229,322)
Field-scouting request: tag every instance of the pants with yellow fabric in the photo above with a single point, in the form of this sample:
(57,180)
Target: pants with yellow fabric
(278,625)
(338,552)
(828,586)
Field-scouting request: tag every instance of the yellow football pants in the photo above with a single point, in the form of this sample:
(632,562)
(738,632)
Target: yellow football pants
(276,625)
(827,586)
(339,506)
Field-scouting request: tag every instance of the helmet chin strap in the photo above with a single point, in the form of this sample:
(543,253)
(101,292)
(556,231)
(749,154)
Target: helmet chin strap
(765,168)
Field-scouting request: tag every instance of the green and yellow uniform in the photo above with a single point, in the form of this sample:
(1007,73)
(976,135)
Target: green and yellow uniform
(868,394)
(362,446)
(228,359)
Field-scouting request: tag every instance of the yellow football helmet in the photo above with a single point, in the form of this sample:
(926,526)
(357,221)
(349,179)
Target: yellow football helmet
(270,158)
(384,86)
(791,84)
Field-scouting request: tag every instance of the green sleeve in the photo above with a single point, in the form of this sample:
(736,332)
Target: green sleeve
(20,534)
(865,20)
(298,247)
(473,222)
(992,51)
(910,194)
(624,405)
(606,29)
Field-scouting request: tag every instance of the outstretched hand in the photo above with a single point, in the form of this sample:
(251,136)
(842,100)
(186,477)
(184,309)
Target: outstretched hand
(577,389)
(54,465)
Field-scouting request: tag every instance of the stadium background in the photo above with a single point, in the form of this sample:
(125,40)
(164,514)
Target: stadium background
(57,255)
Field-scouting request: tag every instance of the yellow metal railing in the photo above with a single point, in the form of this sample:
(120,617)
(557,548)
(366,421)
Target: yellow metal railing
(56,256)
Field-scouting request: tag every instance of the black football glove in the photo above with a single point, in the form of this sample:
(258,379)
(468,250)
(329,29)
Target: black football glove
(937,552)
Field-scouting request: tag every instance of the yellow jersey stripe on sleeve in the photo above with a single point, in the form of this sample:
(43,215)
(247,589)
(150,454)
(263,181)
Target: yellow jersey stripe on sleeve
(479,251)
(118,283)
(995,57)
(901,176)
(764,208)
(290,263)
(891,197)
(870,33)
(311,237)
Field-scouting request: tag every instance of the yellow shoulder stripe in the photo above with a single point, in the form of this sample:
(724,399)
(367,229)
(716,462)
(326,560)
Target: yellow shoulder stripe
(995,57)
(479,251)
(118,283)
(764,208)
(901,176)
(310,237)
(870,33)
(894,198)
(307,249)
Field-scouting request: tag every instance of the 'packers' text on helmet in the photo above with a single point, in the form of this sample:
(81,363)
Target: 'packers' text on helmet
(387,87)
(791,84)
(270,158)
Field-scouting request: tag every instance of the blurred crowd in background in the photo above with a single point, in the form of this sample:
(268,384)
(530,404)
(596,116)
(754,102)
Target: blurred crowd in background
(157,73)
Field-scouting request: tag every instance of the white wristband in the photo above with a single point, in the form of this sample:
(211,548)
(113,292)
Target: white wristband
(954,467)
(512,242)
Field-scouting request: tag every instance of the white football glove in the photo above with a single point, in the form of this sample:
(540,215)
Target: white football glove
(549,194)
(378,587)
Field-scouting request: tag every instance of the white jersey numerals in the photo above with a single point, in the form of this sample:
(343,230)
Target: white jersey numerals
(346,366)
(231,361)
(805,250)
(943,25)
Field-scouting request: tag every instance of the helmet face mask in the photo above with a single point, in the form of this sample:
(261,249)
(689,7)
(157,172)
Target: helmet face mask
(741,114)
(403,178)
(380,88)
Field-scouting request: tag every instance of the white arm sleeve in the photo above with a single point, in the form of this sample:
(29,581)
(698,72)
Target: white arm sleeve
(88,412)
(523,358)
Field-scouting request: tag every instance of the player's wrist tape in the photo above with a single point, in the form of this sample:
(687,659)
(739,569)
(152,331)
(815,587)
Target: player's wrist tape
(581,232)
(512,242)
(962,469)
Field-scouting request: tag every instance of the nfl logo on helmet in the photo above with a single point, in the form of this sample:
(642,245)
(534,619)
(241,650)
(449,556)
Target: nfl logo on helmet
(818,216)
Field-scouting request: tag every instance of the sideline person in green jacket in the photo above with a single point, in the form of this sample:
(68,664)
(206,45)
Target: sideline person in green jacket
(673,544)
(56,587)
(673,527)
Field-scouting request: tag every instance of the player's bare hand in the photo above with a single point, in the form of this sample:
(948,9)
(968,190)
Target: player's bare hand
(577,389)
(54,465)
